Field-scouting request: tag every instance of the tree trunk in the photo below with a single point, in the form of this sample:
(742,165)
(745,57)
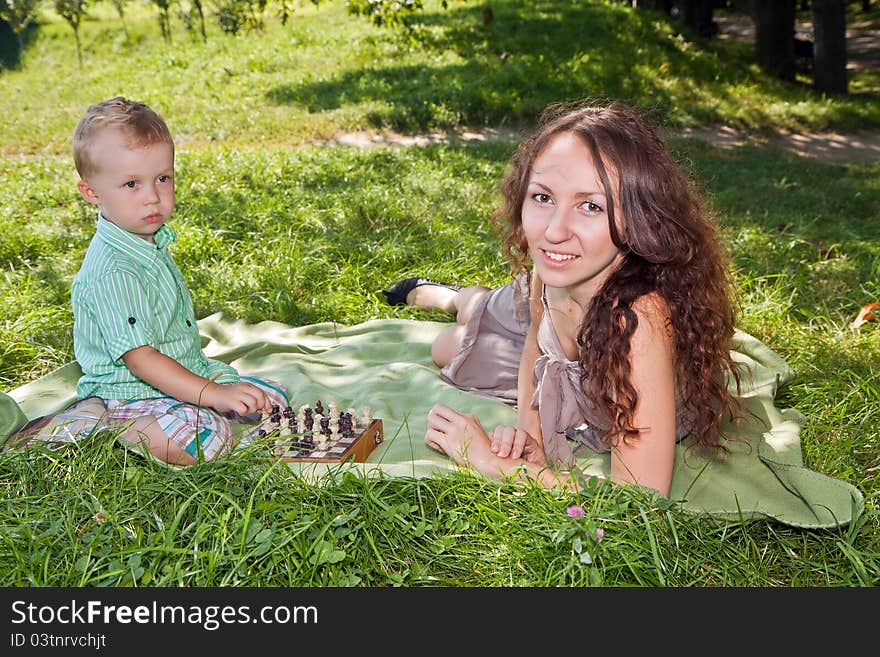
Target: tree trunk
(79,54)
(11,45)
(704,18)
(829,35)
(664,6)
(198,6)
(774,36)
(687,12)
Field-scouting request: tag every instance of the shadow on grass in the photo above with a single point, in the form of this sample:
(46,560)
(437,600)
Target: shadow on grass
(509,71)
(803,234)
(533,54)
(10,48)
(310,235)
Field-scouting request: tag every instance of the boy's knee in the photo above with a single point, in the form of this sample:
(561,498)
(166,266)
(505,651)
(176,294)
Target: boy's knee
(146,432)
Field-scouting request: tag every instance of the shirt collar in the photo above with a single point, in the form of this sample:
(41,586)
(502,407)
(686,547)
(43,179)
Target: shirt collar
(139,248)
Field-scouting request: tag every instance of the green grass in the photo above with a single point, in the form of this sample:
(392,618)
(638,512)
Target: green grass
(271,227)
(326,71)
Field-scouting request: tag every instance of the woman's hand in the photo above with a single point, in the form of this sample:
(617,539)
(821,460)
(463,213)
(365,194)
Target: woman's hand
(461,437)
(515,443)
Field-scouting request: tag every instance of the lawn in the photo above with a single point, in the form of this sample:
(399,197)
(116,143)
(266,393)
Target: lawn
(274,225)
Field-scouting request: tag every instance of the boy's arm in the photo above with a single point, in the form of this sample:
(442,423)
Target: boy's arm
(172,378)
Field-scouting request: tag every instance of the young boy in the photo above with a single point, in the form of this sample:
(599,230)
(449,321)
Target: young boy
(135,335)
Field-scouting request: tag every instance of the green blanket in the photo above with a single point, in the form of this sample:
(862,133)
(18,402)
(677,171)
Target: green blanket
(386,365)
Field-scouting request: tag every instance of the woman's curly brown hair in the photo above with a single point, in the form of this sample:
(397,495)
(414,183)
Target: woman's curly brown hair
(671,248)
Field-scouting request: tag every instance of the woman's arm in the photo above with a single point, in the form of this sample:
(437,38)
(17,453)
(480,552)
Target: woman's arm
(527,417)
(526,436)
(648,459)
(461,437)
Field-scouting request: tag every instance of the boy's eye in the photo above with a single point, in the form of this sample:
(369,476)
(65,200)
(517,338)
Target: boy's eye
(130,184)
(164,178)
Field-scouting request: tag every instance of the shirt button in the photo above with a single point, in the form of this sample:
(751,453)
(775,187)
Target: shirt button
(131,320)
(188,323)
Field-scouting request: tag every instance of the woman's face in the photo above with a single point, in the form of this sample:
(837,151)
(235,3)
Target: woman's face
(565,219)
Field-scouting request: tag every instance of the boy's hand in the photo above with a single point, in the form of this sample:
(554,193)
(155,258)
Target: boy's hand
(242,398)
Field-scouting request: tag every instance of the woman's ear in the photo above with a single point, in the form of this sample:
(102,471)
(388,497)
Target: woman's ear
(88,192)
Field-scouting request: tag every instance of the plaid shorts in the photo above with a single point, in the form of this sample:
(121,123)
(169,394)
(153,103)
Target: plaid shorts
(191,427)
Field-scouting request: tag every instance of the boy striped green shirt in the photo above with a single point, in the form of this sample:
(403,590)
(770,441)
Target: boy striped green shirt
(129,293)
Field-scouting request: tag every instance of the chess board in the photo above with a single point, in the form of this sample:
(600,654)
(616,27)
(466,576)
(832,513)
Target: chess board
(356,448)
(308,436)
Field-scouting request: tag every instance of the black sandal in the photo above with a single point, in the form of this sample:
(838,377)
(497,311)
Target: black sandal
(397,293)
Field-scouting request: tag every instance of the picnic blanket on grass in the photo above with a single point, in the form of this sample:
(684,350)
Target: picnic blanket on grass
(386,365)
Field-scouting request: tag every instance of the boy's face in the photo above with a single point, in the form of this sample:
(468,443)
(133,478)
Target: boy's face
(134,187)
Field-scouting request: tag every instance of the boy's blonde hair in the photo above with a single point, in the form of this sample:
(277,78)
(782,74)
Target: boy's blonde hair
(142,125)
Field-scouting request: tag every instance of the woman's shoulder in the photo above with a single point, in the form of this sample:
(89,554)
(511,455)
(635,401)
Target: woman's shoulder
(654,315)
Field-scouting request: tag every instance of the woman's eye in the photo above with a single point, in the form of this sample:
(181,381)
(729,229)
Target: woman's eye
(591,207)
(541,197)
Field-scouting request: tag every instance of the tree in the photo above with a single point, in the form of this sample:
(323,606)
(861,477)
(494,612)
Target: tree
(774,36)
(829,35)
(193,17)
(697,14)
(18,14)
(120,9)
(164,7)
(73,12)
(197,5)
(385,12)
